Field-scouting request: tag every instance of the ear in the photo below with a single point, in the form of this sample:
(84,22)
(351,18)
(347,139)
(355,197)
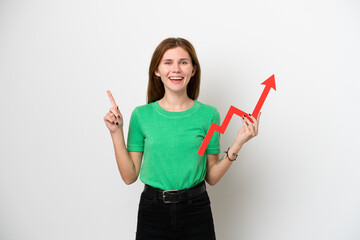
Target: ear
(193,71)
(157,73)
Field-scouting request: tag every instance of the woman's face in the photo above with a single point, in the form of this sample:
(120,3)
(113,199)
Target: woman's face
(175,69)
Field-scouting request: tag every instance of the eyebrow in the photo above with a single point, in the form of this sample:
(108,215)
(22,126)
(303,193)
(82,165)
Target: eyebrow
(179,59)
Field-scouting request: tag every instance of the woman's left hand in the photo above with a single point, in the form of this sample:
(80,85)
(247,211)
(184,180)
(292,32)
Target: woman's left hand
(248,130)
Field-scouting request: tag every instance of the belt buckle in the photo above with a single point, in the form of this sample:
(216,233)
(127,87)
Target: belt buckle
(169,201)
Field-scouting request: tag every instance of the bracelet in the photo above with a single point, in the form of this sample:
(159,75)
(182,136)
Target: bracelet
(227,154)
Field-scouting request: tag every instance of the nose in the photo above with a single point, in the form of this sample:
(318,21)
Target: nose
(176,67)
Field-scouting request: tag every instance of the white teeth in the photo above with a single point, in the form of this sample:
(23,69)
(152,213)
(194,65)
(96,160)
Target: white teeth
(178,78)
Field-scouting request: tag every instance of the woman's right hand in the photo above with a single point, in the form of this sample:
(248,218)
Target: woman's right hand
(113,119)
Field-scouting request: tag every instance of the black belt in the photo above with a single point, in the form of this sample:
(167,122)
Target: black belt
(175,196)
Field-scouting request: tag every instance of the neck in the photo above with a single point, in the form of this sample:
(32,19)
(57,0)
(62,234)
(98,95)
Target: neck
(176,102)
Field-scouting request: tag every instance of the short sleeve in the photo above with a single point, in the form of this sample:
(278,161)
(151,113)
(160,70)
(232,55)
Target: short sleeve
(135,140)
(214,144)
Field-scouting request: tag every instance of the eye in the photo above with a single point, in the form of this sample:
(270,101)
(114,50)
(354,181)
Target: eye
(184,62)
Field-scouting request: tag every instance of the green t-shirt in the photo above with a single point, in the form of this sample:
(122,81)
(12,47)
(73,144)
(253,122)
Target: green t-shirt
(170,142)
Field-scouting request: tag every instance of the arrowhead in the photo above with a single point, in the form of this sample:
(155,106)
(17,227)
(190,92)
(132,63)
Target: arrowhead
(270,82)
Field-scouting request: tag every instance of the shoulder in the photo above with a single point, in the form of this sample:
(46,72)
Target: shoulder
(143,108)
(141,112)
(208,108)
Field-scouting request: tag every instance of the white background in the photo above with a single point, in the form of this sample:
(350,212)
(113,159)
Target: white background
(298,179)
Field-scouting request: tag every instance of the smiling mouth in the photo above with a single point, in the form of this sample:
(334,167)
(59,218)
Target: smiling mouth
(176,79)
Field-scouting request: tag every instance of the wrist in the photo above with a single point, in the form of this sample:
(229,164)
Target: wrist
(236,146)
(117,132)
(232,151)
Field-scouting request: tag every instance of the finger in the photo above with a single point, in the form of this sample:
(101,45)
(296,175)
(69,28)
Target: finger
(115,120)
(112,100)
(116,113)
(256,122)
(246,124)
(109,118)
(248,117)
(252,118)
(251,126)
(247,120)
(247,129)
(258,117)
(114,116)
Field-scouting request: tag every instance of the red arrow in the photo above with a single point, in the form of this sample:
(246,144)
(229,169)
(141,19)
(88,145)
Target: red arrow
(269,83)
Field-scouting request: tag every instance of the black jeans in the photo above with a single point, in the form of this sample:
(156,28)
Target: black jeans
(189,220)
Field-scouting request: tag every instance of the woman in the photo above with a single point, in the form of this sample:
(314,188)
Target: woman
(168,132)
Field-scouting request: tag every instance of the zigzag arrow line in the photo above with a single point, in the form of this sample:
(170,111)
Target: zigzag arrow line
(269,83)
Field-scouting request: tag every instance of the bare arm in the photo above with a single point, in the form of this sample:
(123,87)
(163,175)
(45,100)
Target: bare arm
(128,162)
(215,167)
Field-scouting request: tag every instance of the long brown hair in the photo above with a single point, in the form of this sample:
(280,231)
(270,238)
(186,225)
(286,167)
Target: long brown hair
(156,88)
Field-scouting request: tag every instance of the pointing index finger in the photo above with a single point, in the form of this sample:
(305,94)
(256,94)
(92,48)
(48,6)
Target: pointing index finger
(112,100)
